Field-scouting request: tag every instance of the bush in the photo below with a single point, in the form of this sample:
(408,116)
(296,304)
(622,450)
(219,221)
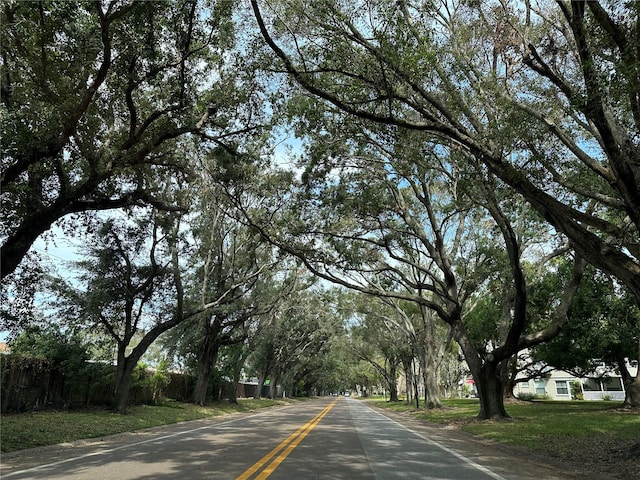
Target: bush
(64,352)
(160,380)
(576,390)
(526,396)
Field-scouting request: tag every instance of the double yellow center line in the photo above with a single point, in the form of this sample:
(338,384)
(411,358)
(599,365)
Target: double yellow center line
(284,449)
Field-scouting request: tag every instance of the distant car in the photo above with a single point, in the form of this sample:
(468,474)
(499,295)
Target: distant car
(347,394)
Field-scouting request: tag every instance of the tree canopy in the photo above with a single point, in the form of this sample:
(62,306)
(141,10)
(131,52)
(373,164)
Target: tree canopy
(460,160)
(97,101)
(543,95)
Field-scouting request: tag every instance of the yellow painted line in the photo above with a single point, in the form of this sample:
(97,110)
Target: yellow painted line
(310,424)
(287,445)
(280,458)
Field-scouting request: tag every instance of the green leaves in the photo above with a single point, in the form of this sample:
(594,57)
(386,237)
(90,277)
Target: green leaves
(527,96)
(98,102)
(605,325)
(64,350)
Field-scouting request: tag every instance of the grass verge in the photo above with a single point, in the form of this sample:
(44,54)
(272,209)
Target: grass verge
(543,426)
(27,430)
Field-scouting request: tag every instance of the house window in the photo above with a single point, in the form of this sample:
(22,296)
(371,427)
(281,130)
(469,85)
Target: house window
(540,390)
(562,387)
(591,385)
(612,384)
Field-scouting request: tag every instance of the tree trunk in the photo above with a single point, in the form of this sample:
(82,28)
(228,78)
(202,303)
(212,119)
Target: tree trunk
(431,387)
(234,392)
(206,361)
(393,393)
(261,380)
(235,381)
(415,376)
(430,353)
(408,382)
(491,392)
(273,388)
(122,394)
(124,370)
(392,382)
(429,366)
(632,393)
(510,371)
(416,392)
(631,383)
(202,384)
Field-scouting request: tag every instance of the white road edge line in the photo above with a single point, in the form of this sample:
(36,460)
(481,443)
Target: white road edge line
(446,449)
(121,447)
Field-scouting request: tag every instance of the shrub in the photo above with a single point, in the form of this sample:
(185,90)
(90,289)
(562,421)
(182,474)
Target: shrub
(63,351)
(160,380)
(576,390)
(526,396)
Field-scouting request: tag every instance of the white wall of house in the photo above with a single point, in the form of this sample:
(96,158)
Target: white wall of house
(556,386)
(603,385)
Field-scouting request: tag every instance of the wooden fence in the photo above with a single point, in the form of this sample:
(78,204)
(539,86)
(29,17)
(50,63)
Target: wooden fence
(32,384)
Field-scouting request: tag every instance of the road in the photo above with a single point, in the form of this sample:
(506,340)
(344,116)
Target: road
(331,438)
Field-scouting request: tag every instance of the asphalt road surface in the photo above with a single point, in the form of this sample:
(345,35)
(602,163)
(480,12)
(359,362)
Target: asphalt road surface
(331,438)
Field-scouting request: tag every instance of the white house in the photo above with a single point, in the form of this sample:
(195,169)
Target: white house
(603,384)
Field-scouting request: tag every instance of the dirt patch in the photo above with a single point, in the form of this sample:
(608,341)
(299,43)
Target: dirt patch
(619,459)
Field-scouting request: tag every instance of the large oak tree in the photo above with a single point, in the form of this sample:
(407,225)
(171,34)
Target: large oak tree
(545,95)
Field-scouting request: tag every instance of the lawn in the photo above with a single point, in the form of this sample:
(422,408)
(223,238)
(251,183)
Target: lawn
(26,430)
(539,425)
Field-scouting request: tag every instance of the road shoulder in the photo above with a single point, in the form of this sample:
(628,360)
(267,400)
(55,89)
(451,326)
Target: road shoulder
(496,456)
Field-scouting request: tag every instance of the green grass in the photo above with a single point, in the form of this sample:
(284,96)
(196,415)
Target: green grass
(453,410)
(540,423)
(27,430)
(536,425)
